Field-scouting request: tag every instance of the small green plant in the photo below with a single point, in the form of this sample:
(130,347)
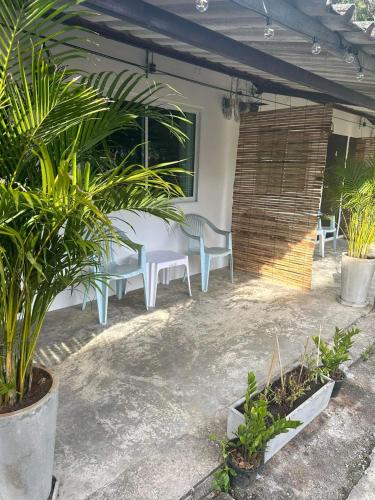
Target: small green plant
(223,476)
(292,386)
(260,425)
(331,357)
(368,352)
(292,389)
(252,437)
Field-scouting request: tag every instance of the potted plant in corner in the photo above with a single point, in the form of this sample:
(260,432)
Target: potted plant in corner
(54,201)
(355,190)
(244,453)
(331,357)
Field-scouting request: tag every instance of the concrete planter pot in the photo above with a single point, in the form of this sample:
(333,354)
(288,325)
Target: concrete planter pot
(356,277)
(305,413)
(27,444)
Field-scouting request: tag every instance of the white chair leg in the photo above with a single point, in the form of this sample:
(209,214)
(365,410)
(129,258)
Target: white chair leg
(207,262)
(102,301)
(145,289)
(322,248)
(187,273)
(85,296)
(231,266)
(203,261)
(119,289)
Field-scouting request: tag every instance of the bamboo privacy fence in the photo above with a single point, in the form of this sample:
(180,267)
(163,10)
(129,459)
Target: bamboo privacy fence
(277,190)
(363,148)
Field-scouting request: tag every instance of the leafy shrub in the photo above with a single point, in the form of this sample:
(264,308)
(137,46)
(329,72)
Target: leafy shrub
(252,436)
(260,425)
(333,356)
(223,476)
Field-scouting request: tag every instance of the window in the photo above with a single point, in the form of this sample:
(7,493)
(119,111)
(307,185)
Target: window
(121,143)
(164,147)
(160,146)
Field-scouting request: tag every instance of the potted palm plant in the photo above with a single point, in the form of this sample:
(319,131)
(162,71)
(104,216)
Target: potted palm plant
(55,198)
(356,192)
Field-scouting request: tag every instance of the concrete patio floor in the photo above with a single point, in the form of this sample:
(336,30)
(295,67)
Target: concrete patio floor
(139,397)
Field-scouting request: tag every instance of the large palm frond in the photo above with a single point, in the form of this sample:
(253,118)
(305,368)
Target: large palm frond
(22,21)
(54,202)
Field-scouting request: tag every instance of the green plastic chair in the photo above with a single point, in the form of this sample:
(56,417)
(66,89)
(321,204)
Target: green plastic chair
(194,228)
(119,272)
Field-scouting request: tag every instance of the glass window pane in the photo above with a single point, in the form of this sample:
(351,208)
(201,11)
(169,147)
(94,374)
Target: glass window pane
(119,144)
(164,147)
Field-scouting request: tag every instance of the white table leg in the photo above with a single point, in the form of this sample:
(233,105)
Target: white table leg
(165,277)
(152,284)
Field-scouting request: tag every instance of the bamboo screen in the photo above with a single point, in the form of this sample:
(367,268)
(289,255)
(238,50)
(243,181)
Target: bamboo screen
(277,189)
(363,148)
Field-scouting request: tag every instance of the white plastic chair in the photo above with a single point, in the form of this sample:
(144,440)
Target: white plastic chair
(324,230)
(194,228)
(119,272)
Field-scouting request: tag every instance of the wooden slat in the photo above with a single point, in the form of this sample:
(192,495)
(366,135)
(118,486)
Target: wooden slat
(364,148)
(277,189)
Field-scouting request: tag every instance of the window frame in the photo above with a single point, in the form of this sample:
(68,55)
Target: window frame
(197,112)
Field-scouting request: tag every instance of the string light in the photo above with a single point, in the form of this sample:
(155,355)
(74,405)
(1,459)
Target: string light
(360,74)
(201,5)
(349,56)
(269,32)
(316,48)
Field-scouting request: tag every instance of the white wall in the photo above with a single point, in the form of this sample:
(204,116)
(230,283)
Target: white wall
(216,156)
(217,144)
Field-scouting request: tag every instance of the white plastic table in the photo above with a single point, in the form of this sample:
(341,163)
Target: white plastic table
(163,260)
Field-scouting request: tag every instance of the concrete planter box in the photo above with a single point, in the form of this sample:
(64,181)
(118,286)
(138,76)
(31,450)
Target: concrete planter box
(27,445)
(356,278)
(305,413)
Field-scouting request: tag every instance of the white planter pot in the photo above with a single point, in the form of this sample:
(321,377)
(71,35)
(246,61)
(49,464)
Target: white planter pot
(356,277)
(27,444)
(305,413)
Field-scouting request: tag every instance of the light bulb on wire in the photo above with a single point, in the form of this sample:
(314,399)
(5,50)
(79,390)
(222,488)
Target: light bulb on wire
(360,74)
(201,5)
(269,32)
(349,56)
(316,48)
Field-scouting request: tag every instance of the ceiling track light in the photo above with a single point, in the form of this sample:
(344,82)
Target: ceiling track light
(269,32)
(201,5)
(316,48)
(349,56)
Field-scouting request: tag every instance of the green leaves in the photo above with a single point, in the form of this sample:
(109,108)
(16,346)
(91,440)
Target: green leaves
(222,479)
(223,475)
(260,426)
(56,194)
(355,190)
(333,356)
